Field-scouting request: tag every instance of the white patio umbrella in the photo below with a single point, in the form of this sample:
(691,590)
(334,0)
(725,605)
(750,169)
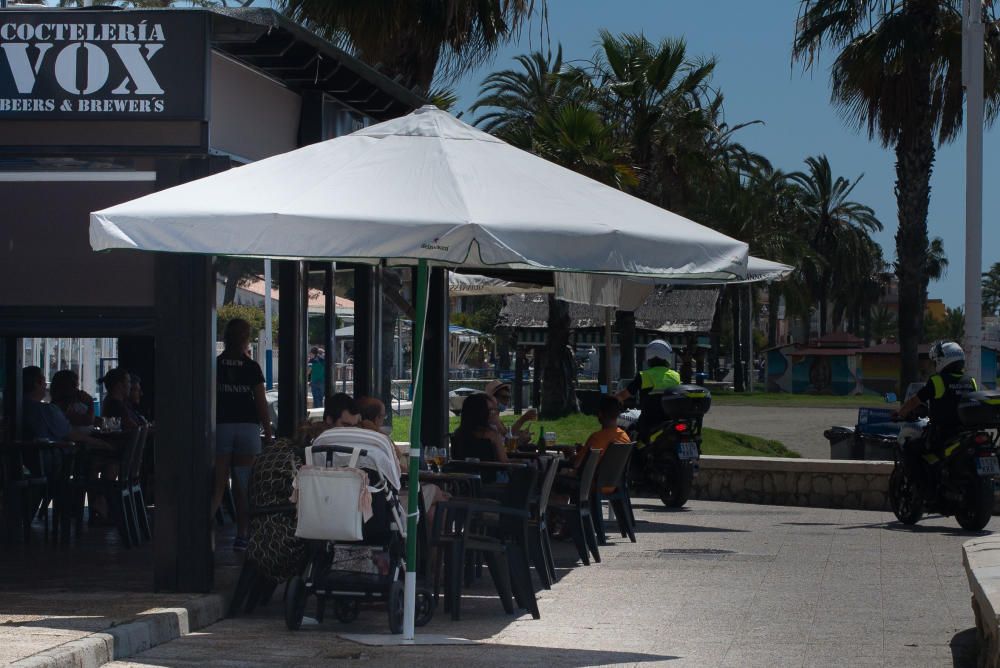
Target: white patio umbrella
(424,189)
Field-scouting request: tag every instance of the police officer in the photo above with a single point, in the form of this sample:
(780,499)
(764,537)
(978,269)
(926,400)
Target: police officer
(649,385)
(941,394)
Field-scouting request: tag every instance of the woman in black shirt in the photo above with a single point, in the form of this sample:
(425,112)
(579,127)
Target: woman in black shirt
(240,414)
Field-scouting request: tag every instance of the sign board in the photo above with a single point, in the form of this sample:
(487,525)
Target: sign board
(98,65)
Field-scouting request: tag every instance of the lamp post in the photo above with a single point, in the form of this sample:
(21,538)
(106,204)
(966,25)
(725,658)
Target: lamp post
(972,79)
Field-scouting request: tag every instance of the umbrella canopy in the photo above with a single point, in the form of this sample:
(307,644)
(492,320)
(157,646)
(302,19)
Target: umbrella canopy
(424,189)
(424,186)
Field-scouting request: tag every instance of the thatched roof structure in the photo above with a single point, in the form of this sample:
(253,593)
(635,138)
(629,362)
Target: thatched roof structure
(677,310)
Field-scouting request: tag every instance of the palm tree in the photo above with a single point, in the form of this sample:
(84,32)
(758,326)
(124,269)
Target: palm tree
(883,324)
(418,41)
(898,74)
(653,95)
(836,228)
(991,290)
(950,328)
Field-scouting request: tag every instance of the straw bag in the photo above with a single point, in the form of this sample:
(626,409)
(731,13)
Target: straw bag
(331,501)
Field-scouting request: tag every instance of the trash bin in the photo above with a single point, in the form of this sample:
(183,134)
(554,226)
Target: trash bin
(843,443)
(879,447)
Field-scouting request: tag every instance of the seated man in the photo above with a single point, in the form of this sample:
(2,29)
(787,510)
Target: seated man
(41,420)
(608,409)
(341,410)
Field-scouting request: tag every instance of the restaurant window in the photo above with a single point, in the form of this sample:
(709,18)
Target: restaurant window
(88,358)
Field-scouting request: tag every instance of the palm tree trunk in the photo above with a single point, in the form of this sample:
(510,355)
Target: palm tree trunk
(822,312)
(736,309)
(233,275)
(558,396)
(773,298)
(914,162)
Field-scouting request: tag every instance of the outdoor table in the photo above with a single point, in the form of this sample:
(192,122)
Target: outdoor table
(456,483)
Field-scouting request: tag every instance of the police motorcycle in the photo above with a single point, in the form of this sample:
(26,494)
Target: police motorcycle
(666,460)
(960,472)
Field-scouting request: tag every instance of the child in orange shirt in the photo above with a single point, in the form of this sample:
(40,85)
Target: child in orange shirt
(608,410)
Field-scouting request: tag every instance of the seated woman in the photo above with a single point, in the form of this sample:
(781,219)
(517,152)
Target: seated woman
(475,437)
(76,405)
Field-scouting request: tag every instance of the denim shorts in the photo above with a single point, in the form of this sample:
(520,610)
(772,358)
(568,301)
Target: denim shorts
(237,438)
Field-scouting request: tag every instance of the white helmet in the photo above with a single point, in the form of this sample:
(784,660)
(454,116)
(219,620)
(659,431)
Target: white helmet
(658,348)
(946,353)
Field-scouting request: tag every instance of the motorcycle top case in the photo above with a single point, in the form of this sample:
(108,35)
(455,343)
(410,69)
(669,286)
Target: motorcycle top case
(685,401)
(980,410)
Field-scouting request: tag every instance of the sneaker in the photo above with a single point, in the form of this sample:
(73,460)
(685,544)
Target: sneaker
(240,544)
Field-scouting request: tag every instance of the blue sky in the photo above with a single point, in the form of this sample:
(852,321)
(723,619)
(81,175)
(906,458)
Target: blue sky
(752,42)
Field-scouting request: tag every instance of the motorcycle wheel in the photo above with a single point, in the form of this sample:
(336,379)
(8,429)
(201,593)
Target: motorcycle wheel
(677,488)
(978,509)
(905,500)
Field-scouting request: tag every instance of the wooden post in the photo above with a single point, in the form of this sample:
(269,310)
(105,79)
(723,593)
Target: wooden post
(330,328)
(364,354)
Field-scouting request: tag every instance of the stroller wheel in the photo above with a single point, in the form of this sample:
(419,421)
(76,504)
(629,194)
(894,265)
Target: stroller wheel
(346,609)
(425,607)
(295,603)
(396,607)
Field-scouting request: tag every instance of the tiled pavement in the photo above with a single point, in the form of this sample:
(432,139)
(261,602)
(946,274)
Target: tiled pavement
(717,584)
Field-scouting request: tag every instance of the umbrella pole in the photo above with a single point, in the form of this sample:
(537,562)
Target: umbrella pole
(410,592)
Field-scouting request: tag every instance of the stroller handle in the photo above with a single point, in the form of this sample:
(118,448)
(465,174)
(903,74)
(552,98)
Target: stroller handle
(329,450)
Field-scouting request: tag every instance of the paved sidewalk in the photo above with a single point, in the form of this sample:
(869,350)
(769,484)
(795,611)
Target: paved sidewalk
(718,584)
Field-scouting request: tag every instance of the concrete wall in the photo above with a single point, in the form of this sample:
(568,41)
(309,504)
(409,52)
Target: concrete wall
(981,557)
(794,482)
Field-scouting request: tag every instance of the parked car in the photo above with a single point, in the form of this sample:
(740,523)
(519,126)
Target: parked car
(457,397)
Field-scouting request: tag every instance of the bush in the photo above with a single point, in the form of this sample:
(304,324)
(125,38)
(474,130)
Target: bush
(252,314)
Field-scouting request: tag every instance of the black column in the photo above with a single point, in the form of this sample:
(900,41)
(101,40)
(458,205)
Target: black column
(185,431)
(364,353)
(12,395)
(626,339)
(434,422)
(536,376)
(518,379)
(292,316)
(184,391)
(330,326)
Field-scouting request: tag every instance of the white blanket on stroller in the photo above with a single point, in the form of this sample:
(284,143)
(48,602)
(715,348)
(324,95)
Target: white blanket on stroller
(381,455)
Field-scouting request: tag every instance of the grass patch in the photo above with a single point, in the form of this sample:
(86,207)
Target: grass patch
(727,443)
(576,429)
(784,399)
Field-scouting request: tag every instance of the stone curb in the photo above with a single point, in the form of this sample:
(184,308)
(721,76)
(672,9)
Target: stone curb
(149,629)
(981,557)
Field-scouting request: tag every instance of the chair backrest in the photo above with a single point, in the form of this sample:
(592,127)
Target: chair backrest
(612,467)
(135,469)
(546,488)
(587,475)
(517,492)
(128,453)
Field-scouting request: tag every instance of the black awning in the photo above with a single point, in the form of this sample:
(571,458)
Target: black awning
(283,49)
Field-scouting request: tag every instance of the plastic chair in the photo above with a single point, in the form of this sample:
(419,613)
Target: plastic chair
(117,491)
(499,531)
(136,500)
(538,529)
(611,476)
(577,512)
(25,486)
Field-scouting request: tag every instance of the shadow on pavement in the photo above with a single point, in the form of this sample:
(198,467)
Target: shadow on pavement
(808,524)
(964,651)
(917,528)
(642,526)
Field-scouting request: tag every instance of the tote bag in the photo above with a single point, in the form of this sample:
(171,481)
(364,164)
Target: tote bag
(329,502)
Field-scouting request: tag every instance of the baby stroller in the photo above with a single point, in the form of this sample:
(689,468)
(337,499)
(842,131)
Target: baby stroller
(350,572)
